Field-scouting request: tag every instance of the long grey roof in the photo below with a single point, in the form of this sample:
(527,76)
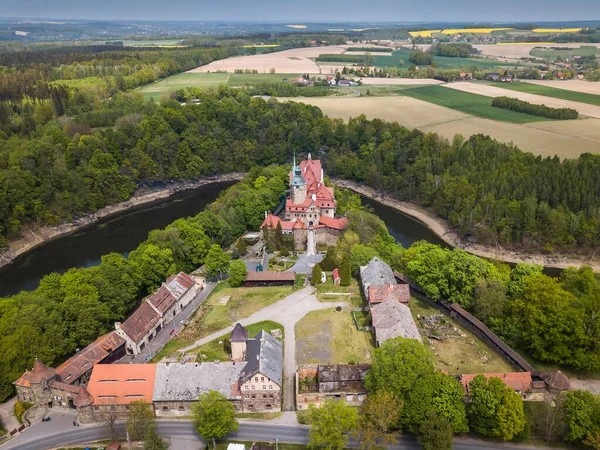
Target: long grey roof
(376,272)
(393,319)
(185,382)
(264,354)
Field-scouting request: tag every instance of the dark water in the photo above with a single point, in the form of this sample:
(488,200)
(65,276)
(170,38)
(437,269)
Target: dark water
(405,229)
(120,233)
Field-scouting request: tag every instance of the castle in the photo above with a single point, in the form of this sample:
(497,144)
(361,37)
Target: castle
(309,209)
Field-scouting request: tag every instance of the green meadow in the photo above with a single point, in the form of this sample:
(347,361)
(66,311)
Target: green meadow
(563,94)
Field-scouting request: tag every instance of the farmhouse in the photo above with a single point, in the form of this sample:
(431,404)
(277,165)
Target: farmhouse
(317,383)
(269,278)
(309,209)
(380,293)
(392,319)
(156,311)
(376,273)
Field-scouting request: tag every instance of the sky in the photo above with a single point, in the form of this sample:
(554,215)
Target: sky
(307,10)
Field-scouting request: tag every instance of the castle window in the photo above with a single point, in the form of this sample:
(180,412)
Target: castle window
(262,378)
(256,379)
(264,396)
(245,388)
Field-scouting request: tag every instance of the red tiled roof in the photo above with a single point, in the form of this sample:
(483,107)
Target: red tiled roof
(336,224)
(311,172)
(118,384)
(140,322)
(84,398)
(336,274)
(77,365)
(519,381)
(162,299)
(271,276)
(64,387)
(272,221)
(379,293)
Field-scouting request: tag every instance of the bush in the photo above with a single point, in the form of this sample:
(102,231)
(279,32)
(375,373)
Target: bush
(20,409)
(284,251)
(514,104)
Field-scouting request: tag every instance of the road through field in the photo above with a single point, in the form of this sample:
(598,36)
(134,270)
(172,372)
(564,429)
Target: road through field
(568,139)
(492,91)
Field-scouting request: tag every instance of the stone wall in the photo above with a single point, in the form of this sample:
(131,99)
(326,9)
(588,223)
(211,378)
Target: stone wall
(327,236)
(261,401)
(102,413)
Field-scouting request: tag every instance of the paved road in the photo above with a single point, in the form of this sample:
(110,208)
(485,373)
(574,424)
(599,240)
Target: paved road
(287,312)
(306,262)
(164,335)
(183,436)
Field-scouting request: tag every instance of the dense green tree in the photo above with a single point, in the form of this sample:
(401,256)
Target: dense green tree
(435,433)
(237,272)
(495,409)
(217,261)
(345,273)
(153,440)
(379,415)
(214,416)
(436,392)
(139,419)
(582,413)
(331,424)
(397,365)
(315,277)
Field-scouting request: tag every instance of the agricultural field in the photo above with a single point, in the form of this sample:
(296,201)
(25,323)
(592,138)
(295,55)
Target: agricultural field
(461,351)
(567,139)
(486,90)
(553,92)
(169,43)
(444,62)
(329,337)
(570,85)
(553,53)
(207,81)
(515,50)
(469,103)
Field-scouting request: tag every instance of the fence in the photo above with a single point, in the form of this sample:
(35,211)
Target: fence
(472,323)
(366,326)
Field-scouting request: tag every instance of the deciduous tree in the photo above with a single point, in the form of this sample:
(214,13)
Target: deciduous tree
(330,425)
(237,272)
(214,416)
(139,419)
(379,415)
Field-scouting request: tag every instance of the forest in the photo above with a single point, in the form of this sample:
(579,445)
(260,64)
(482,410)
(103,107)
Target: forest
(453,50)
(514,104)
(68,311)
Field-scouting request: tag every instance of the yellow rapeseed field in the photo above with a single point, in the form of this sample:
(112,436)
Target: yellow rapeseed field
(556,30)
(474,30)
(424,33)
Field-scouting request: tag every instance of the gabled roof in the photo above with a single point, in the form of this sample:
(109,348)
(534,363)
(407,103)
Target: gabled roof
(239,333)
(392,319)
(336,274)
(376,272)
(185,382)
(265,356)
(518,381)
(311,172)
(336,224)
(140,322)
(268,275)
(179,284)
(80,363)
(380,293)
(118,384)
(162,299)
(272,221)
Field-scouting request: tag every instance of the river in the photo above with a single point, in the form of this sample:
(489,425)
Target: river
(119,233)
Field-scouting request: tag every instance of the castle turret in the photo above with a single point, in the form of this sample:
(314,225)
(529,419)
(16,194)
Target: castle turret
(239,338)
(297,185)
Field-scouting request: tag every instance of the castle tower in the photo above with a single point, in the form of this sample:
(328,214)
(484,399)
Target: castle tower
(239,337)
(297,185)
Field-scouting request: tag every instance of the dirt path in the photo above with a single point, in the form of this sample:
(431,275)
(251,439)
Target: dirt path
(38,235)
(441,227)
(288,312)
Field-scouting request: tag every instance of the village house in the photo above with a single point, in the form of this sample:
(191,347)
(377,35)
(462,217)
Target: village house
(317,383)
(390,315)
(520,382)
(156,311)
(309,209)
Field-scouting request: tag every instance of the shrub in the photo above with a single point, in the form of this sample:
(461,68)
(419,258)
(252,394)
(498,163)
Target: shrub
(316,275)
(284,251)
(514,104)
(20,409)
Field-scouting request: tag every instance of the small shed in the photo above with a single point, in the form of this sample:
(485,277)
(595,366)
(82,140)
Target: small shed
(336,277)
(234,446)
(269,278)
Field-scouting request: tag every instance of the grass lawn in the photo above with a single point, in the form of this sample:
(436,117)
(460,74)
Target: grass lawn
(474,104)
(330,337)
(214,316)
(548,53)
(328,287)
(207,81)
(548,91)
(214,351)
(459,355)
